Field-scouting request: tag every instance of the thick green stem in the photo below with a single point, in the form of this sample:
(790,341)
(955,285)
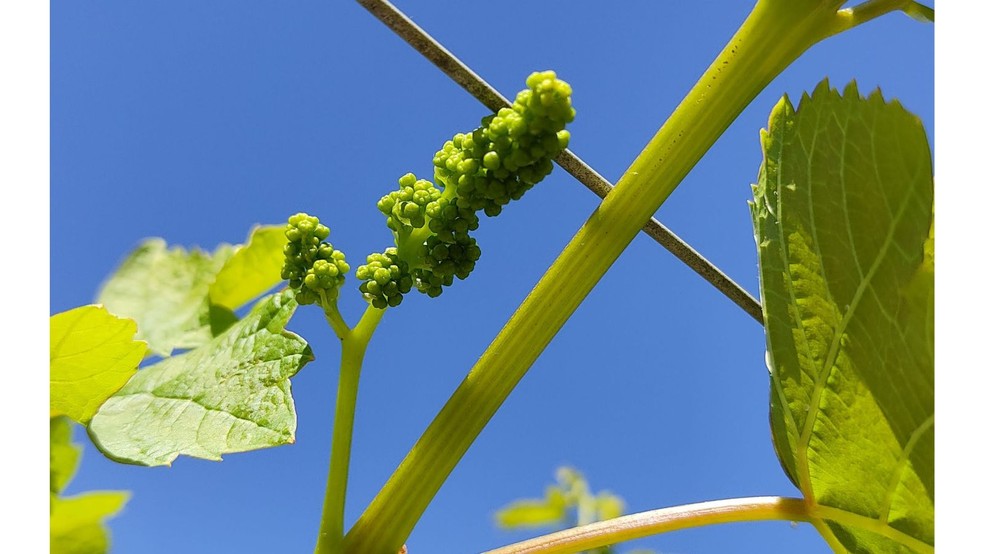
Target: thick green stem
(654,522)
(354,343)
(775,34)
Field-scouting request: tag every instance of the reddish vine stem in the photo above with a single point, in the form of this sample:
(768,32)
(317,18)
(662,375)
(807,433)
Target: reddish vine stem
(664,520)
(485,93)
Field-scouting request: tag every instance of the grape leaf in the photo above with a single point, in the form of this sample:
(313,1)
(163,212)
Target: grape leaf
(182,299)
(77,522)
(93,354)
(64,454)
(252,270)
(843,215)
(608,505)
(231,395)
(166,291)
(569,501)
(548,511)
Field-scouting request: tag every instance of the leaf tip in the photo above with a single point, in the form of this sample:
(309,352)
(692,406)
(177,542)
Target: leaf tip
(851,91)
(780,112)
(823,87)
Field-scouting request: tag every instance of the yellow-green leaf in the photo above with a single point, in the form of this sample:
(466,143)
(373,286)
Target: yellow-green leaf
(252,270)
(568,502)
(93,354)
(166,291)
(608,505)
(534,512)
(231,395)
(843,219)
(64,454)
(78,522)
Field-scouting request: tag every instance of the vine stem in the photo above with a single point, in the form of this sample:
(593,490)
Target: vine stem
(689,516)
(653,522)
(354,344)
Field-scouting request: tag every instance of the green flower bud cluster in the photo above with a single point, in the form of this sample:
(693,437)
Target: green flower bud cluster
(406,207)
(444,261)
(512,150)
(386,278)
(478,171)
(449,252)
(445,249)
(313,268)
(449,220)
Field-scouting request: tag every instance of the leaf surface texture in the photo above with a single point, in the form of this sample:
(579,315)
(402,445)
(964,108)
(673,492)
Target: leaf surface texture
(181,298)
(231,395)
(843,215)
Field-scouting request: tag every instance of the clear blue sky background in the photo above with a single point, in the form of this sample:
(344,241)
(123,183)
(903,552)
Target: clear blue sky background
(194,121)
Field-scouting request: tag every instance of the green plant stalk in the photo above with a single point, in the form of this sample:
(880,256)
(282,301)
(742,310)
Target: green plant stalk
(354,344)
(774,34)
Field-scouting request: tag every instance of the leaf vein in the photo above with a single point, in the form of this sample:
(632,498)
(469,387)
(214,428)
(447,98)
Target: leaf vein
(900,466)
(199,403)
(836,339)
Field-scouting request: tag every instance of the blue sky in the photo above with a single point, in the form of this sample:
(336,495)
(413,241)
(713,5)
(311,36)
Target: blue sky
(194,121)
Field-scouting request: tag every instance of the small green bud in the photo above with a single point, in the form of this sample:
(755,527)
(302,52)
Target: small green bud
(407,180)
(491,160)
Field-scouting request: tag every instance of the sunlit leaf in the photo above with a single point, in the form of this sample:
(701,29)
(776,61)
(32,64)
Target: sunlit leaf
(93,354)
(77,522)
(534,512)
(64,454)
(166,291)
(231,395)
(842,214)
(569,502)
(252,269)
(608,505)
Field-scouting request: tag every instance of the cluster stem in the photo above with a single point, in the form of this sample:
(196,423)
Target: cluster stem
(354,343)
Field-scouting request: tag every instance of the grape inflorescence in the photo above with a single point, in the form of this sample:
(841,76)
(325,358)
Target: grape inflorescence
(476,172)
(312,266)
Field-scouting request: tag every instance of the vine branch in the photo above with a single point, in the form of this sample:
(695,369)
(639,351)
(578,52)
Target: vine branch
(689,516)
(653,522)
